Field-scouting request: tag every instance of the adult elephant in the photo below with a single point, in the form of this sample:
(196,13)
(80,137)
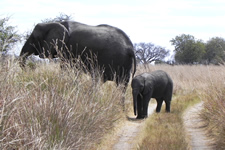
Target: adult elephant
(145,86)
(109,46)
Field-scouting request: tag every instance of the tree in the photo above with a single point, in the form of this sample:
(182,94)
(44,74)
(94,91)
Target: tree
(148,52)
(60,18)
(8,36)
(215,51)
(187,49)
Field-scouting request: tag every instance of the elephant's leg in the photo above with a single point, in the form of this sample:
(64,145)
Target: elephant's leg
(168,105)
(146,99)
(123,89)
(120,82)
(168,100)
(159,104)
(63,64)
(139,107)
(123,101)
(122,76)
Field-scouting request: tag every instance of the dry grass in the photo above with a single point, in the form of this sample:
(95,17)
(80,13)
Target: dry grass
(191,84)
(214,109)
(48,108)
(165,131)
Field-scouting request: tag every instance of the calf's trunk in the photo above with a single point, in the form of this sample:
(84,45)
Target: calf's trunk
(135,94)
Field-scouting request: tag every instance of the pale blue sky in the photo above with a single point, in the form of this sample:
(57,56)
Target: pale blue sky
(156,21)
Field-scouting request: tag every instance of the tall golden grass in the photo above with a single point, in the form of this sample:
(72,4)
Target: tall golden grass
(50,108)
(214,108)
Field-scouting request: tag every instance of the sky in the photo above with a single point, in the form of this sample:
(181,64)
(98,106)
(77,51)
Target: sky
(155,21)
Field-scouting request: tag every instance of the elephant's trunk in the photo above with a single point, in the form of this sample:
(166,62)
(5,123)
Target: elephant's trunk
(135,94)
(24,54)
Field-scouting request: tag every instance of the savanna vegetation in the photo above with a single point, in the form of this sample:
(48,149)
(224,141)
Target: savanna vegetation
(45,107)
(48,108)
(189,50)
(8,36)
(192,84)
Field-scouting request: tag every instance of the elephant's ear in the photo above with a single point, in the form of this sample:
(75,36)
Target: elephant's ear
(52,37)
(51,31)
(38,31)
(147,87)
(57,31)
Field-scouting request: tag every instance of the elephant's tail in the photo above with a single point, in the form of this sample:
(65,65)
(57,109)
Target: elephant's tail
(134,63)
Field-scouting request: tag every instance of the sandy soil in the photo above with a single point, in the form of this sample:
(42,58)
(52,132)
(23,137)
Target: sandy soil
(194,127)
(129,131)
(196,134)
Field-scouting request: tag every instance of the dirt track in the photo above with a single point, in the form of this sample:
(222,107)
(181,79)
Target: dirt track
(129,131)
(193,124)
(194,127)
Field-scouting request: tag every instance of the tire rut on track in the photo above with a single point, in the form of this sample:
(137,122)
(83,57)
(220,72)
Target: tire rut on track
(194,128)
(129,131)
(195,132)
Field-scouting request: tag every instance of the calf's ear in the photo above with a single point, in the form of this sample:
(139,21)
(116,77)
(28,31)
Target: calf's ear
(147,88)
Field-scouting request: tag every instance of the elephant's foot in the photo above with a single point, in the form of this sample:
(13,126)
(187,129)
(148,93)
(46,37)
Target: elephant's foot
(157,111)
(141,117)
(168,111)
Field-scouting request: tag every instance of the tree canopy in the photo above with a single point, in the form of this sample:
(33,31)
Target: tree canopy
(61,17)
(188,50)
(148,52)
(8,36)
(215,51)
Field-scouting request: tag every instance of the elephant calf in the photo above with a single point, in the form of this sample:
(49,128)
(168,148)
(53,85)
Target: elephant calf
(145,86)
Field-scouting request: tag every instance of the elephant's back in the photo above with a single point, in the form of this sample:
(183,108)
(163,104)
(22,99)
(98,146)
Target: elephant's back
(112,46)
(99,36)
(159,78)
(107,42)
